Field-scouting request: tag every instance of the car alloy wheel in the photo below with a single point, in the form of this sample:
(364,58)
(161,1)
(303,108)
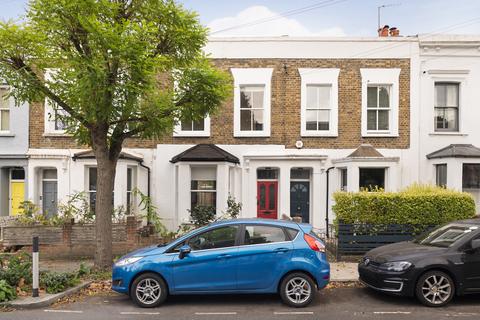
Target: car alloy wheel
(297,290)
(435,289)
(148,290)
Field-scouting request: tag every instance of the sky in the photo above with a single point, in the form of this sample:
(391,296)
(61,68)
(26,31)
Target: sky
(320,17)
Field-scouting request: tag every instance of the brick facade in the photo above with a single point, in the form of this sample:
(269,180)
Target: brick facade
(285,109)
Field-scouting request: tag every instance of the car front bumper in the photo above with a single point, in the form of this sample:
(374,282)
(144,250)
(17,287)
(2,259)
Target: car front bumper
(388,282)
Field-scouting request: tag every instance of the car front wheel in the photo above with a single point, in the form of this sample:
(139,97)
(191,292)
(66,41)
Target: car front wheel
(148,290)
(435,289)
(297,290)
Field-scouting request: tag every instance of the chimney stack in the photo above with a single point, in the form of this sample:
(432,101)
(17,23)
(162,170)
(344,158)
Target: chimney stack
(386,31)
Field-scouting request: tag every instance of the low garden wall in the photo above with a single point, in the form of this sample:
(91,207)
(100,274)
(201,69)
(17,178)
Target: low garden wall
(75,240)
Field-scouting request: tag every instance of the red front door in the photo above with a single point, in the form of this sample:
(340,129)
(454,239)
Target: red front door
(267,199)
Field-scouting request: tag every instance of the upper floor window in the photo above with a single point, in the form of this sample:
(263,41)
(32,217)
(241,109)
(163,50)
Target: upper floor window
(4,110)
(54,114)
(252,95)
(446,106)
(319,102)
(380,102)
(252,108)
(378,108)
(193,128)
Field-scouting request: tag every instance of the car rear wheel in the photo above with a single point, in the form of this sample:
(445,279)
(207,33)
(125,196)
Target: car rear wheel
(297,290)
(148,290)
(435,289)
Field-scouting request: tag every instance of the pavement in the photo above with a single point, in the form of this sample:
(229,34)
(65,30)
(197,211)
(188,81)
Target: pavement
(338,304)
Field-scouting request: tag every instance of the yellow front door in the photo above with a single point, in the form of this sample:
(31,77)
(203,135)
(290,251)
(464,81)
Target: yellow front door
(18,196)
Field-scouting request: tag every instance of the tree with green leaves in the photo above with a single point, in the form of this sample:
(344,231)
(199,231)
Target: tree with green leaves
(119,69)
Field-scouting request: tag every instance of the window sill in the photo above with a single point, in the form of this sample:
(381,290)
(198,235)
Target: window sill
(380,135)
(191,134)
(251,134)
(7,134)
(319,134)
(448,134)
(56,134)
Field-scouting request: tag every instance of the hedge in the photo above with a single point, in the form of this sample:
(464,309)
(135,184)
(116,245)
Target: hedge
(416,205)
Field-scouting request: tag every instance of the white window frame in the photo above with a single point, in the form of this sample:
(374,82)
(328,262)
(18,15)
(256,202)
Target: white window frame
(455,77)
(7,109)
(378,77)
(50,110)
(322,77)
(253,77)
(178,132)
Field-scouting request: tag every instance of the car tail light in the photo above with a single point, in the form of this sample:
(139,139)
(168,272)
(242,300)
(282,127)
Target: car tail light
(313,243)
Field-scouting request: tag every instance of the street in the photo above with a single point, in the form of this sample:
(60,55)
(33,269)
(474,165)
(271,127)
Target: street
(338,304)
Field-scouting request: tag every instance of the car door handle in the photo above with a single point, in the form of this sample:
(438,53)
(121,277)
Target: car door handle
(281,250)
(224,256)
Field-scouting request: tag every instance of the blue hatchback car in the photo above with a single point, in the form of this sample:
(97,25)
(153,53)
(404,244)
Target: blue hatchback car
(232,256)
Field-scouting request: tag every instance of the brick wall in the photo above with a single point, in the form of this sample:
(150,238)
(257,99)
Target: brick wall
(285,108)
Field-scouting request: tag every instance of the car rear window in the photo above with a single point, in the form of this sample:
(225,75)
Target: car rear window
(292,233)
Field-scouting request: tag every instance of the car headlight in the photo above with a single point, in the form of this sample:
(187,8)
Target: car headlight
(124,262)
(397,266)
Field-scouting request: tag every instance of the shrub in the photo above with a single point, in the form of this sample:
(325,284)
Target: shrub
(233,208)
(202,215)
(14,268)
(7,292)
(416,205)
(54,282)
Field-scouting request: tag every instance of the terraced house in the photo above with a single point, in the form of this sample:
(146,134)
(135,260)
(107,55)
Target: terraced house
(308,116)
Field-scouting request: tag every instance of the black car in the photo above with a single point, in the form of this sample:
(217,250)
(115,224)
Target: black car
(435,267)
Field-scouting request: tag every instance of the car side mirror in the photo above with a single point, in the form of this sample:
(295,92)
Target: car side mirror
(475,244)
(184,251)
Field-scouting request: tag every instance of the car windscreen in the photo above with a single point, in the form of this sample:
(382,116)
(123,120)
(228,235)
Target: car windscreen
(447,235)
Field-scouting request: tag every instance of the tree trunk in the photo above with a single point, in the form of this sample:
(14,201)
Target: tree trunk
(106,168)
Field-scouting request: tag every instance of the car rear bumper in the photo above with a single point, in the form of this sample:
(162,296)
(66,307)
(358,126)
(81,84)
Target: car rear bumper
(397,284)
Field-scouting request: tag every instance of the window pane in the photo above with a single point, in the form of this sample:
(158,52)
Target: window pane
(49,174)
(207,199)
(257,120)
(198,125)
(18,174)
(323,119)
(324,97)
(311,119)
(186,125)
(203,185)
(92,179)
(245,99)
(262,196)
(4,120)
(371,97)
(343,179)
(383,119)
(245,120)
(439,118)
(129,179)
(372,178)
(384,97)
(440,95)
(450,117)
(452,95)
(312,97)
(3,99)
(371,120)
(271,174)
(300,173)
(441,175)
(257,99)
(218,238)
(263,234)
(471,176)
(272,194)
